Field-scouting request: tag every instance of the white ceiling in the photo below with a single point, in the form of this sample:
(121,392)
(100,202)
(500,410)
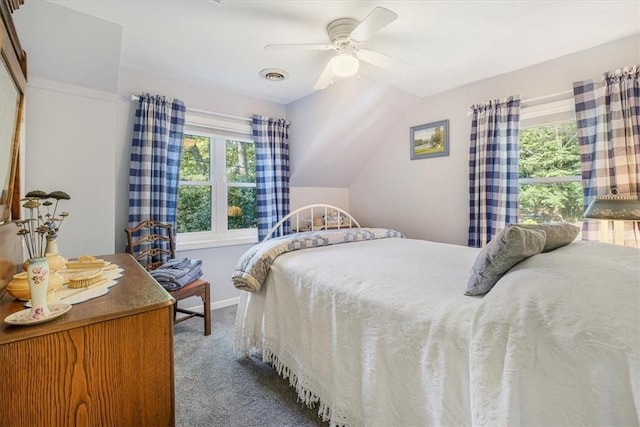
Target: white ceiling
(448,43)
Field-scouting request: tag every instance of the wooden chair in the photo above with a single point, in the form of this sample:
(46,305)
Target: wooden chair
(142,244)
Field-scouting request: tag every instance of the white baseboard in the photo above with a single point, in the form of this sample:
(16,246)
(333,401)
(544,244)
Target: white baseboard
(217,304)
(225,303)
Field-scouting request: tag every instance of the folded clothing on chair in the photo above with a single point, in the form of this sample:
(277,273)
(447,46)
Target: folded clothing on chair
(177,272)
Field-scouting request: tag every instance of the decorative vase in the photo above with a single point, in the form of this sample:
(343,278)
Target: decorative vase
(52,246)
(56,261)
(38,278)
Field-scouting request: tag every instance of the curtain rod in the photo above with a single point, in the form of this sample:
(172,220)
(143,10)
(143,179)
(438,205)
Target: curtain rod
(540,98)
(553,95)
(211,113)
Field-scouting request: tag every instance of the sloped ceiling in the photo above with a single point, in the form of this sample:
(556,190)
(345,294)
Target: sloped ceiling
(336,131)
(448,43)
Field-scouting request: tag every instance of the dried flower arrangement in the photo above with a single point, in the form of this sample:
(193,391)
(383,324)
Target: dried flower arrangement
(42,223)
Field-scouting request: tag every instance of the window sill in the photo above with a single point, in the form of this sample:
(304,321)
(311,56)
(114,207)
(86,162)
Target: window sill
(219,243)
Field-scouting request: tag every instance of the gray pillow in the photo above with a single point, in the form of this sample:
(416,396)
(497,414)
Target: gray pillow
(558,233)
(506,249)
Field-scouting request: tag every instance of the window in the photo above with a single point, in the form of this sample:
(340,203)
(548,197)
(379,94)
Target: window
(549,174)
(217,187)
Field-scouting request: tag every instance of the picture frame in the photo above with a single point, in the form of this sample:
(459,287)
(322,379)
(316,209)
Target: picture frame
(430,140)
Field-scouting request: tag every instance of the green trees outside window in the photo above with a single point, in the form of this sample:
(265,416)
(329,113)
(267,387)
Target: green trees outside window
(549,174)
(241,169)
(202,186)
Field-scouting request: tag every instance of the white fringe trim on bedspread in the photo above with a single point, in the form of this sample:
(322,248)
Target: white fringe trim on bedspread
(308,389)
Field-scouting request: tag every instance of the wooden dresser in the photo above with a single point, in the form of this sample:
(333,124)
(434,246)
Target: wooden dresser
(107,362)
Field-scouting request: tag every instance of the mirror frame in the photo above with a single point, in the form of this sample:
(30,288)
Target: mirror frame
(16,60)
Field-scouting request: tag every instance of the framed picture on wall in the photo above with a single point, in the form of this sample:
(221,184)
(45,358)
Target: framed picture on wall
(430,140)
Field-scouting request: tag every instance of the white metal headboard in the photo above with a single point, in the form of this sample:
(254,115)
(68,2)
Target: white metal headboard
(314,217)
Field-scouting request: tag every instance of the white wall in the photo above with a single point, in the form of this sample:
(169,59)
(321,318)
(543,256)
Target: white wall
(428,198)
(69,146)
(70,120)
(335,131)
(302,196)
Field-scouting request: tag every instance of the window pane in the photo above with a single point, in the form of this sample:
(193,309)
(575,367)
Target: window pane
(551,202)
(241,211)
(194,208)
(241,161)
(549,151)
(195,161)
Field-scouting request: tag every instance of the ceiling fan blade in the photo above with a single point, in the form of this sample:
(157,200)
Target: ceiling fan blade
(300,46)
(372,23)
(381,60)
(325,78)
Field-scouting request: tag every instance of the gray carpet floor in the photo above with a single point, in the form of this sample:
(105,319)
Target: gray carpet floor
(214,388)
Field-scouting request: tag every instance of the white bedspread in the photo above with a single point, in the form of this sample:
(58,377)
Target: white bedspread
(381,333)
(557,342)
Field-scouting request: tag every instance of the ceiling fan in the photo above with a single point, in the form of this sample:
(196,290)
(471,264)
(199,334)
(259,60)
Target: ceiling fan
(346,35)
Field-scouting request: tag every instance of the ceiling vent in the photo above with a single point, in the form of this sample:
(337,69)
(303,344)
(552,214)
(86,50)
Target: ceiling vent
(273,74)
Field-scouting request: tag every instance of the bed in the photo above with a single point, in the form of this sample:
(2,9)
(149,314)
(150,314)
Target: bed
(373,328)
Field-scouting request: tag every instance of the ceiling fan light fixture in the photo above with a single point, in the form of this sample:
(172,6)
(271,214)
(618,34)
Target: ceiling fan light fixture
(345,65)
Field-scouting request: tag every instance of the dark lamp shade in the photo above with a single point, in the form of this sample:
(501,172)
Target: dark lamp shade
(621,208)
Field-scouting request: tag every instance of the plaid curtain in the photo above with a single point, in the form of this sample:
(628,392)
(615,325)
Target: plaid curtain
(608,121)
(271,139)
(493,168)
(155,160)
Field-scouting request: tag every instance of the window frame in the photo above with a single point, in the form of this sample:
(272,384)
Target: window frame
(546,114)
(219,130)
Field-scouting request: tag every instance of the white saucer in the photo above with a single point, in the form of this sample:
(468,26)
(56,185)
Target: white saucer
(22,316)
